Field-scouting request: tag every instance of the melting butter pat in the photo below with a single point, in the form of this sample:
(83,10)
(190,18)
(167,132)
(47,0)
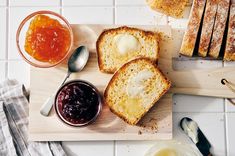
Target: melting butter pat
(136,86)
(126,43)
(166,152)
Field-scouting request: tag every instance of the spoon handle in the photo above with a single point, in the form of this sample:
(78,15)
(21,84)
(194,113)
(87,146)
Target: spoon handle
(66,77)
(46,107)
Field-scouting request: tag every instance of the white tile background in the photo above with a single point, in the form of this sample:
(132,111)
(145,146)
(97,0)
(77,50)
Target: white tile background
(215,116)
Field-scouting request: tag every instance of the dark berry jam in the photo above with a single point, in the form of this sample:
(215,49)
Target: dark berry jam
(78,102)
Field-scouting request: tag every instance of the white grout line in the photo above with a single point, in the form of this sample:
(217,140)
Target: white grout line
(226,135)
(225,129)
(72,6)
(60,7)
(114,148)
(114,11)
(225,126)
(7,39)
(61,3)
(129,5)
(33,6)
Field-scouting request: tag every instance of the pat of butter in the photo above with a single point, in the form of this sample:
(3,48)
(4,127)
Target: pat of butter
(191,128)
(136,85)
(126,43)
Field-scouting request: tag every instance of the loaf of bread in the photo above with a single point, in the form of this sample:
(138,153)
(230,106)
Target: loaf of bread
(229,54)
(207,27)
(190,36)
(219,28)
(118,45)
(134,89)
(174,8)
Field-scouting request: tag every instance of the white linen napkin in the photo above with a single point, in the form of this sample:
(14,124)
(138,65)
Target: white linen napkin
(14,125)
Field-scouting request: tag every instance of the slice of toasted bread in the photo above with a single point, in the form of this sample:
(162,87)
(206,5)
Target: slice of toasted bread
(229,54)
(219,28)
(174,8)
(207,27)
(134,89)
(118,45)
(190,36)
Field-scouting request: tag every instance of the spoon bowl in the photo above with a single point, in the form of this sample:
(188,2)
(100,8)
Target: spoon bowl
(78,59)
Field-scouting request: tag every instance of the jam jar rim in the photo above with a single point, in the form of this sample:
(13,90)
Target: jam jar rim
(59,115)
(22,24)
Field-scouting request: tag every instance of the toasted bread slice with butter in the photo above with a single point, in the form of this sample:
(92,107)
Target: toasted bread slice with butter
(118,45)
(174,8)
(134,89)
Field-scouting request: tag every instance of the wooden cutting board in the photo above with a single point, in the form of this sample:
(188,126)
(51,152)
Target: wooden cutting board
(205,82)
(157,124)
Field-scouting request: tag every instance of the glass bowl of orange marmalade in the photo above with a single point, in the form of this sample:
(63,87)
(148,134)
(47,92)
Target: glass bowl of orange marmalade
(44,39)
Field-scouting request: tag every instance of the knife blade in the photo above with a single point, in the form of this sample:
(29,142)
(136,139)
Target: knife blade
(192,130)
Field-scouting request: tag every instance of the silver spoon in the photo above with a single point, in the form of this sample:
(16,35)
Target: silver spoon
(76,63)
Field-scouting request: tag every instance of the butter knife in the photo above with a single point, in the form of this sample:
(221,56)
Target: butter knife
(192,130)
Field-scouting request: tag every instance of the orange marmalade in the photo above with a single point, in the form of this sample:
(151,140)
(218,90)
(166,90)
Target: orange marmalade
(47,40)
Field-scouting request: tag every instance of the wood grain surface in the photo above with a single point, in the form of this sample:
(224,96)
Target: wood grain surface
(157,124)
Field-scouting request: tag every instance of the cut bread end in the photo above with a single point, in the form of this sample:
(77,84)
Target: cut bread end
(171,8)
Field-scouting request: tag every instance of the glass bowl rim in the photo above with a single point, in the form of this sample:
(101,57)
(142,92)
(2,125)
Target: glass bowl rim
(26,20)
(92,119)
